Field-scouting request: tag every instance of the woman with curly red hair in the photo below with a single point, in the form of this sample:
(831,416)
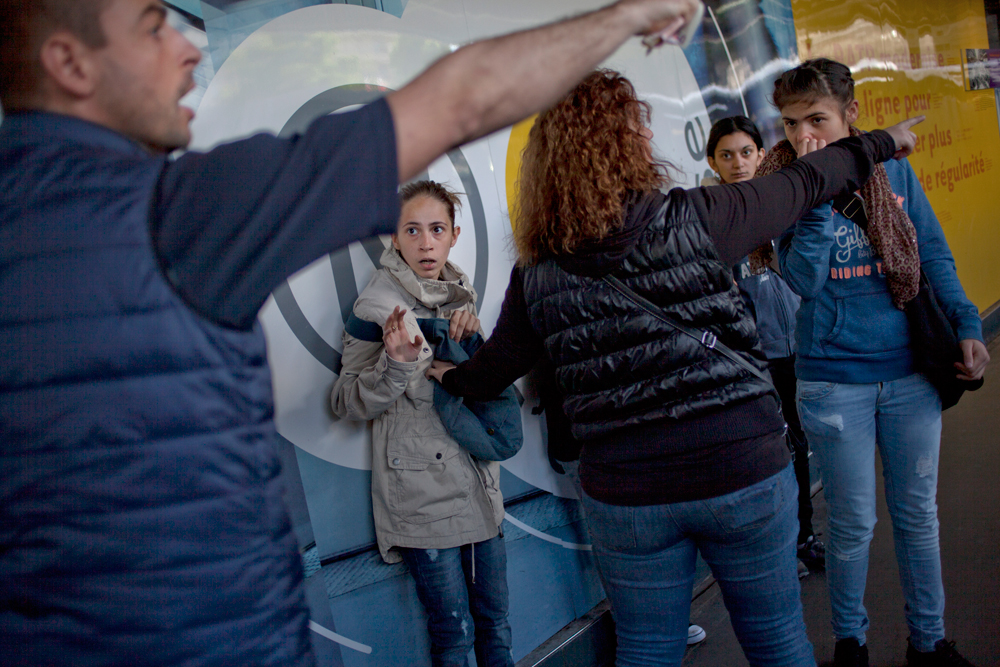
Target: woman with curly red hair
(683,447)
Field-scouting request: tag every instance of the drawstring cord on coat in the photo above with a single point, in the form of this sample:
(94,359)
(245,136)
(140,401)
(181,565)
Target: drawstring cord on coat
(473,562)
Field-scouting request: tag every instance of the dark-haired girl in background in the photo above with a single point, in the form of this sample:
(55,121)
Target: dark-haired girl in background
(735,150)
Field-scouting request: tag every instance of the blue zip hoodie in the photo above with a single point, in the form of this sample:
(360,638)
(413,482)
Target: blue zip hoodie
(848,329)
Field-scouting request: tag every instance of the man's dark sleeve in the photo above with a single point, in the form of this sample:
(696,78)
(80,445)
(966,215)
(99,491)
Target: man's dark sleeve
(231,224)
(744,216)
(509,353)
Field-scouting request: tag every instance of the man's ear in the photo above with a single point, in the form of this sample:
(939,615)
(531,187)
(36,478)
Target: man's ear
(69,64)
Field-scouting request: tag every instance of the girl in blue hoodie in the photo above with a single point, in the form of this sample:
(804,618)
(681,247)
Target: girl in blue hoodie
(858,390)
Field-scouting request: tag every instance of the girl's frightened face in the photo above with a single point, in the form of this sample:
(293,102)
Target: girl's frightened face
(425,235)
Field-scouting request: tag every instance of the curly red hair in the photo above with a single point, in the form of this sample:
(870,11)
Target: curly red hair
(583,156)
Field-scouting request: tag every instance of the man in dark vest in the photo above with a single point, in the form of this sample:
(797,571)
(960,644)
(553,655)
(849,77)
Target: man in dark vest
(141,520)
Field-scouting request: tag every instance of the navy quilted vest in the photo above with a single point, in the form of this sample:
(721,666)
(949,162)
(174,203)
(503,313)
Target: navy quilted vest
(141,520)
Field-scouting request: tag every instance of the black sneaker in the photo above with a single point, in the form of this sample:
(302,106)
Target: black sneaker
(812,552)
(848,653)
(943,655)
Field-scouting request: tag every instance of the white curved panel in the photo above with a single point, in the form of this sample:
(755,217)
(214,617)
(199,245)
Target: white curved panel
(304,53)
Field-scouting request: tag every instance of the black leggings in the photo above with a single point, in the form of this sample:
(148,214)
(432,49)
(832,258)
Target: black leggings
(783,374)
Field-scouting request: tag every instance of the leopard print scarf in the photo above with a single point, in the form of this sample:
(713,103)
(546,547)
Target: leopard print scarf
(890,230)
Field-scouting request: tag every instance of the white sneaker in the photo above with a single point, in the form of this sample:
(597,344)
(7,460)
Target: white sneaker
(696,635)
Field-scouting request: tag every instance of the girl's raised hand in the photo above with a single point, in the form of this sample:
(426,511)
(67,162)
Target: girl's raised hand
(397,341)
(905,139)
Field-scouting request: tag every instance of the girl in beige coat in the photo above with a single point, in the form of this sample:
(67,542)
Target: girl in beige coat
(435,506)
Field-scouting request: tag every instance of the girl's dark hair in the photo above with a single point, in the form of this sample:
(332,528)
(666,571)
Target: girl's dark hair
(434,190)
(812,80)
(732,125)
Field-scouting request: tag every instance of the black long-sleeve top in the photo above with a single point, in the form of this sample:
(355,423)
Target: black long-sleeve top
(707,456)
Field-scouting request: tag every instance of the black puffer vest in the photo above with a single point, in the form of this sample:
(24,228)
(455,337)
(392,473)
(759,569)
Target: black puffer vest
(619,366)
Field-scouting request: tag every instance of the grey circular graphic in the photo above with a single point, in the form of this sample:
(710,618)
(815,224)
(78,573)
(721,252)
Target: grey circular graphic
(340,262)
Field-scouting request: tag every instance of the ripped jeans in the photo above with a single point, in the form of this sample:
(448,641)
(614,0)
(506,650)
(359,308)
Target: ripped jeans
(844,424)
(464,592)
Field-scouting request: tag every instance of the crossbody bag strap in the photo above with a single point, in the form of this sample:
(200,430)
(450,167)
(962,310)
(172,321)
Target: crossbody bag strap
(851,205)
(706,338)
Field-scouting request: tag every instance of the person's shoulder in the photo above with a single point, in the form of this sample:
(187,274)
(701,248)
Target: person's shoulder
(900,166)
(900,172)
(320,135)
(906,187)
(680,206)
(371,122)
(698,196)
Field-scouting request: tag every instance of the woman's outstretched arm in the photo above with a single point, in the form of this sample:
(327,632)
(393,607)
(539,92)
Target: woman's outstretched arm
(510,352)
(743,216)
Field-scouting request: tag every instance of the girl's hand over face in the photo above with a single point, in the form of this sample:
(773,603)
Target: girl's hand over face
(808,145)
(397,341)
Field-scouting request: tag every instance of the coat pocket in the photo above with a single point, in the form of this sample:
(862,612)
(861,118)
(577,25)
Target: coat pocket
(428,488)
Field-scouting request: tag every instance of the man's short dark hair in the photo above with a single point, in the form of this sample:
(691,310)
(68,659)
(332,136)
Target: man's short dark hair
(25,26)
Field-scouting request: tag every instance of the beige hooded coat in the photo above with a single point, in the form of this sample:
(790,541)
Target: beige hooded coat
(427,491)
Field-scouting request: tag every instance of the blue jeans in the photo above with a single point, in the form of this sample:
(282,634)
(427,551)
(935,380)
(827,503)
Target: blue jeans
(646,556)
(844,424)
(464,592)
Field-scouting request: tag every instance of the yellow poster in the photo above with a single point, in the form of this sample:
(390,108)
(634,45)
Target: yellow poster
(906,58)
